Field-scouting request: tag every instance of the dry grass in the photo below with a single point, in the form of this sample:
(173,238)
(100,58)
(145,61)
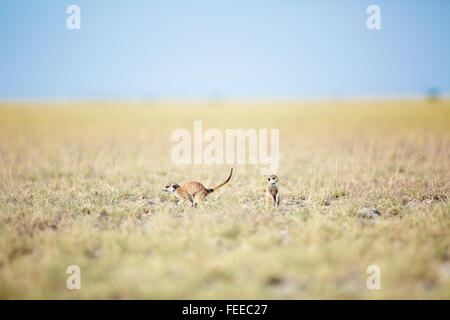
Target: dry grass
(81,184)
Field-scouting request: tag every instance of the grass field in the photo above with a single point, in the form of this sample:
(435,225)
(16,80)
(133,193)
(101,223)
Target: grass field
(81,185)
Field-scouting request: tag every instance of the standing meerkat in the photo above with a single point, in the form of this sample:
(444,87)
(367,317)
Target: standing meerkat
(193,191)
(272,192)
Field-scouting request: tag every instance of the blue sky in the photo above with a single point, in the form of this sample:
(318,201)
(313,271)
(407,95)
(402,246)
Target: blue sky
(228,49)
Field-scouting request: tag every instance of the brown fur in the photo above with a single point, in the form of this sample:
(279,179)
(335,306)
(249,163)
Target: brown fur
(193,191)
(272,191)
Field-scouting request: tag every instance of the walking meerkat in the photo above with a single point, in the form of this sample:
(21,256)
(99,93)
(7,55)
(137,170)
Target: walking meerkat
(272,192)
(193,191)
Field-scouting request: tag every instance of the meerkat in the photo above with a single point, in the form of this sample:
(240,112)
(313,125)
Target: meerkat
(272,191)
(193,191)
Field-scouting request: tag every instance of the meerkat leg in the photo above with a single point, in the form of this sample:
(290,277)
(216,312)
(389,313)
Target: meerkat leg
(199,198)
(277,200)
(269,201)
(191,200)
(188,199)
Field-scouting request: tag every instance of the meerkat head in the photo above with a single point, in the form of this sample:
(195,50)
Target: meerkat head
(171,187)
(273,180)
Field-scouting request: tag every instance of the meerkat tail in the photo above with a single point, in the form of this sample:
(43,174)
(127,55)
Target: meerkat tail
(222,184)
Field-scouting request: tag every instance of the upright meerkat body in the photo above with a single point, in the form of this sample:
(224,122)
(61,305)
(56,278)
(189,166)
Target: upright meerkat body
(272,191)
(193,191)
